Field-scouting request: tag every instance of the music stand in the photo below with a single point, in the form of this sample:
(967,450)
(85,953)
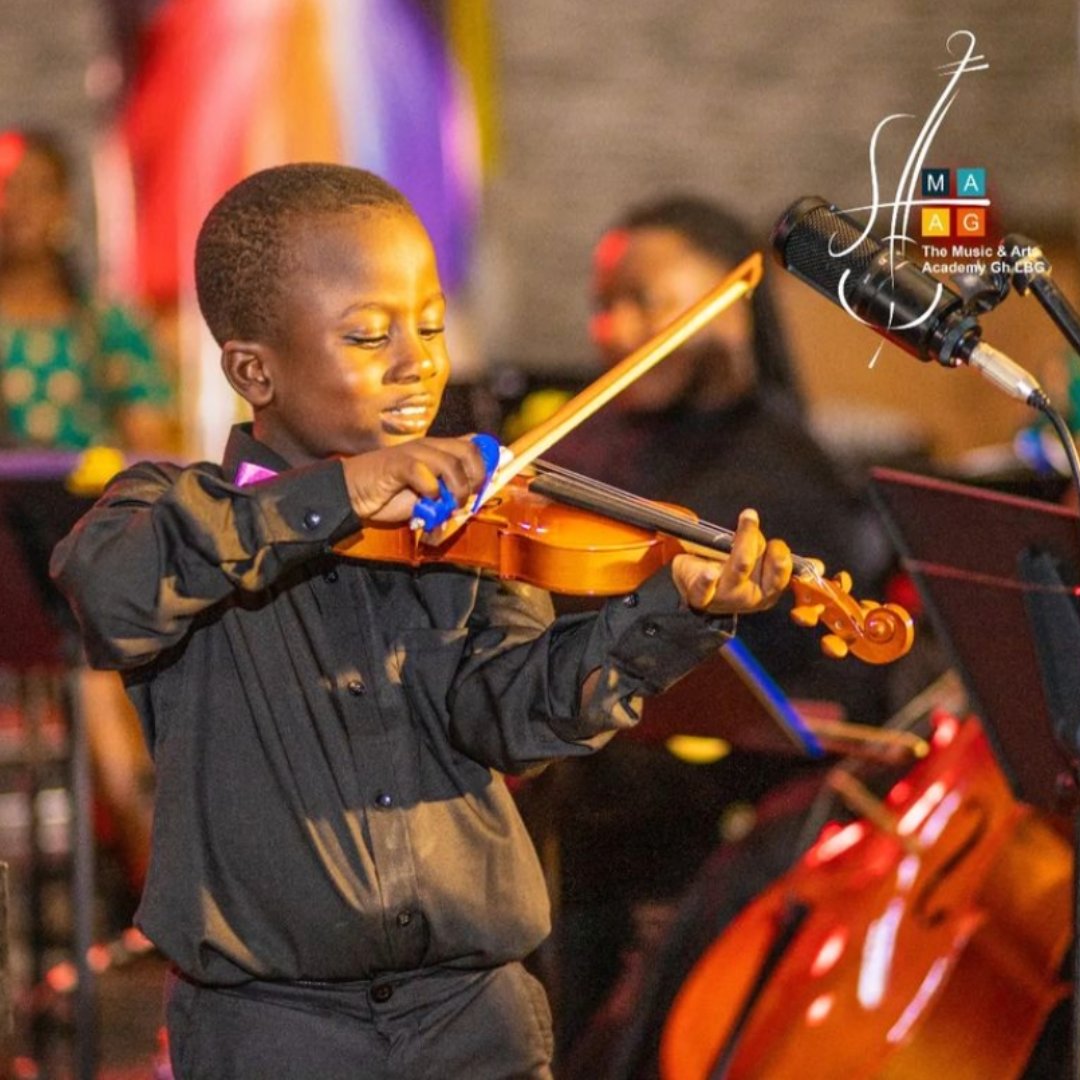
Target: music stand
(730,696)
(992,570)
(37,632)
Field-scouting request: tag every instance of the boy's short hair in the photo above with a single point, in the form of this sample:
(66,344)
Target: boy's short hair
(243,250)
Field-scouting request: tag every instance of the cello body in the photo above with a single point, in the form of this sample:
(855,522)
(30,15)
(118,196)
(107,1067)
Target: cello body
(928,946)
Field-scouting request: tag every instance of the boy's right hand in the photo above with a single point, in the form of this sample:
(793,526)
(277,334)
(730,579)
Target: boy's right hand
(384,485)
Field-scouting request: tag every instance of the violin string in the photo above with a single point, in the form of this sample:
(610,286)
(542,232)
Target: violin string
(618,497)
(650,515)
(628,507)
(695,530)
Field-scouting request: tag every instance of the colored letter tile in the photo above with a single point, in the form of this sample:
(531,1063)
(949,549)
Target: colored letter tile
(935,221)
(971,221)
(935,182)
(971,183)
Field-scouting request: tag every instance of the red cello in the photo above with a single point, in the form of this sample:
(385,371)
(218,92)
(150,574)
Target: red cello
(924,944)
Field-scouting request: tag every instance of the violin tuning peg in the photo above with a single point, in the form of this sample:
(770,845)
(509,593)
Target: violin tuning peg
(868,605)
(807,614)
(834,647)
(843,579)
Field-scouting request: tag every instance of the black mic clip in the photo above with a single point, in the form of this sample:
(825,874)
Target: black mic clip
(1026,261)
(982,291)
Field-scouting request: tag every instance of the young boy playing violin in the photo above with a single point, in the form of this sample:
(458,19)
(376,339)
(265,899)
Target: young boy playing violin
(339,875)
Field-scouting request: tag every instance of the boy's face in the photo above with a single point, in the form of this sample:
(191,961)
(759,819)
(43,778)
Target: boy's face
(360,362)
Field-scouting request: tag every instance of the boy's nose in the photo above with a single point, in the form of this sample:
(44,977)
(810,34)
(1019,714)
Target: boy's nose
(413,363)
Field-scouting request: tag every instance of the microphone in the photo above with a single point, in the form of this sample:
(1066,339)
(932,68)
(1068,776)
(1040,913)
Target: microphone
(832,253)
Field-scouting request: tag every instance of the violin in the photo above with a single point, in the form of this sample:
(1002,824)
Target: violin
(568,534)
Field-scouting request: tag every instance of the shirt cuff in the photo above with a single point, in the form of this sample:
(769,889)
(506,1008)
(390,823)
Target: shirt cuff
(644,643)
(308,505)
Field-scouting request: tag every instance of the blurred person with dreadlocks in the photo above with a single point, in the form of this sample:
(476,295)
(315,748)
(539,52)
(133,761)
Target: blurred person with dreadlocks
(720,421)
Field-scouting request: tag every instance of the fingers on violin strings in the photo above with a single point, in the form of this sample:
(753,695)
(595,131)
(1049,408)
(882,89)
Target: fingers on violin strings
(696,579)
(747,547)
(706,584)
(776,568)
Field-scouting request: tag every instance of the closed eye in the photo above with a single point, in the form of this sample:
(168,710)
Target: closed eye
(367,342)
(432,331)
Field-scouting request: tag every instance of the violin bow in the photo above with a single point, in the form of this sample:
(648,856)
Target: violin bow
(525,450)
(877,633)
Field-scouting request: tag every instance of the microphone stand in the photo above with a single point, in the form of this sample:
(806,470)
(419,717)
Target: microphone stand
(1031,273)
(1026,277)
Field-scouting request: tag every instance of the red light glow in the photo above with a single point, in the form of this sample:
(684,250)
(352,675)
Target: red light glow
(945,729)
(899,793)
(62,978)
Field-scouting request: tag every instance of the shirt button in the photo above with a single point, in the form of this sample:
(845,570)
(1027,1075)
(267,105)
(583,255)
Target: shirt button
(650,629)
(357,688)
(384,799)
(631,599)
(382,993)
(330,576)
(312,520)
(404,918)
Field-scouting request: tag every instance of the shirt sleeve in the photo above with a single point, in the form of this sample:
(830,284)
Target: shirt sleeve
(516,699)
(164,544)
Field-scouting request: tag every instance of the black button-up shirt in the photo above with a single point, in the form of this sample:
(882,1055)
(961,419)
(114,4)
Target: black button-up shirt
(329,734)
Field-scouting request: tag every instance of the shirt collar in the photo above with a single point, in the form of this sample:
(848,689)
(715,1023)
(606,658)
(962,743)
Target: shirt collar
(243,446)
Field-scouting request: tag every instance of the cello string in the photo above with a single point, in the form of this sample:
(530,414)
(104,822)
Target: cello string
(992,581)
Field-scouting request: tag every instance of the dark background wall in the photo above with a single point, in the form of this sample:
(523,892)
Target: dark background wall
(56,71)
(607,102)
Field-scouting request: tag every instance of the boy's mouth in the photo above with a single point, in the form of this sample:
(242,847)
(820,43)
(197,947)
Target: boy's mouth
(413,414)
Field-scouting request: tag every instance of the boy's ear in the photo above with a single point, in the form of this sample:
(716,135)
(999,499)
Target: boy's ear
(245,366)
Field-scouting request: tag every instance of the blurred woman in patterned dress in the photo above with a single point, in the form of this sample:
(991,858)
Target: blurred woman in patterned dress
(76,372)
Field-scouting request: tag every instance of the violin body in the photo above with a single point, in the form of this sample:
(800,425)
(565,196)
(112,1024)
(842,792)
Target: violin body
(523,536)
(929,948)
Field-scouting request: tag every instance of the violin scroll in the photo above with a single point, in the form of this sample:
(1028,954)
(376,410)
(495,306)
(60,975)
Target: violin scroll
(876,633)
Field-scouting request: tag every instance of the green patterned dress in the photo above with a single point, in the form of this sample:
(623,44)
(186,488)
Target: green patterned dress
(64,384)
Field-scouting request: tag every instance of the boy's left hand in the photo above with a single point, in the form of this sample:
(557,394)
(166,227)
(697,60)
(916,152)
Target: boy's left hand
(751,578)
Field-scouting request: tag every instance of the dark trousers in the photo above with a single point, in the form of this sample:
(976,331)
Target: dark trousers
(438,1024)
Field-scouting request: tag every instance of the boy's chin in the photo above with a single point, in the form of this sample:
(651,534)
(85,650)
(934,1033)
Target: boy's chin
(378,440)
(397,438)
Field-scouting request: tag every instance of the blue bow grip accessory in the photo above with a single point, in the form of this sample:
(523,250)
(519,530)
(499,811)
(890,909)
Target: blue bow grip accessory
(429,514)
